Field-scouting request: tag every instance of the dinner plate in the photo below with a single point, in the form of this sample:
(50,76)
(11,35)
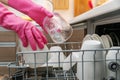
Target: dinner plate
(87,37)
(118,36)
(105,41)
(98,38)
(114,39)
(95,37)
(110,40)
(118,43)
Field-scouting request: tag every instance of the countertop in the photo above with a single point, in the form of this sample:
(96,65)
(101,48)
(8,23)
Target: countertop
(110,6)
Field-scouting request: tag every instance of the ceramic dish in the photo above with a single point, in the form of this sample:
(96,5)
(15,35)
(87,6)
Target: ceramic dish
(105,41)
(87,37)
(98,38)
(118,36)
(118,42)
(95,37)
(114,39)
(110,40)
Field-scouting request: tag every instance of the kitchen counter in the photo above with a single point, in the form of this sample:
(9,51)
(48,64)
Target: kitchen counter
(110,6)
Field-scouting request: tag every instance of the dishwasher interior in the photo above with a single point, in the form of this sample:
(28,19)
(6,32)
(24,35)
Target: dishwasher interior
(91,62)
(84,60)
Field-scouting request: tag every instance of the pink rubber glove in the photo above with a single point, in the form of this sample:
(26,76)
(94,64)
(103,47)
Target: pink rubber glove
(27,32)
(36,12)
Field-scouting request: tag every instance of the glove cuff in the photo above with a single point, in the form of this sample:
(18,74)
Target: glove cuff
(35,11)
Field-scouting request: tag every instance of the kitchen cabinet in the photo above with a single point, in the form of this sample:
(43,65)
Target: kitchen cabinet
(80,6)
(60,4)
(8,48)
(98,14)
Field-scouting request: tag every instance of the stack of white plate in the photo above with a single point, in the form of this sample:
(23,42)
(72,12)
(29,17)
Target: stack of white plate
(104,39)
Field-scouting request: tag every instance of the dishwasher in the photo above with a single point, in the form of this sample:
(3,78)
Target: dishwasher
(87,62)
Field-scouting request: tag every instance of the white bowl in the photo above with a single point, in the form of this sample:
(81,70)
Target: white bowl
(57,58)
(71,60)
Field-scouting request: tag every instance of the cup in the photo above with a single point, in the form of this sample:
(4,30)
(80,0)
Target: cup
(58,29)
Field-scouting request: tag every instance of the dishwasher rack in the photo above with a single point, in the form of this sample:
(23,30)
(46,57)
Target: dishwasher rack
(76,66)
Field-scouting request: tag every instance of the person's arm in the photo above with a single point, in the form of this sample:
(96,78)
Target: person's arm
(26,31)
(28,7)
(33,10)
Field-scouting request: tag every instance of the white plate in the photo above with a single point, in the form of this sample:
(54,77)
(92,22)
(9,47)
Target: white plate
(98,38)
(114,38)
(95,37)
(118,43)
(110,40)
(105,41)
(87,37)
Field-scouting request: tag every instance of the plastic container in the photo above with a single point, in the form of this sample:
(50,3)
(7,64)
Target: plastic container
(90,67)
(58,29)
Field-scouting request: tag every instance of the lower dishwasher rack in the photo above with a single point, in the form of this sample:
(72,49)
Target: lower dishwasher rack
(100,64)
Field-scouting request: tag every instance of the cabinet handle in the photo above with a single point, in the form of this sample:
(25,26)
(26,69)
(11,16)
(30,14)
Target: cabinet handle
(7,44)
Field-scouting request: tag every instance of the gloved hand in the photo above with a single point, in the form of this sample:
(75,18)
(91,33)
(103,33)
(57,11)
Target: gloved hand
(36,12)
(27,32)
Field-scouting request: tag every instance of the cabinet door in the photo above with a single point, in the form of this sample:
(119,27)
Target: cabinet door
(60,4)
(80,6)
(7,46)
